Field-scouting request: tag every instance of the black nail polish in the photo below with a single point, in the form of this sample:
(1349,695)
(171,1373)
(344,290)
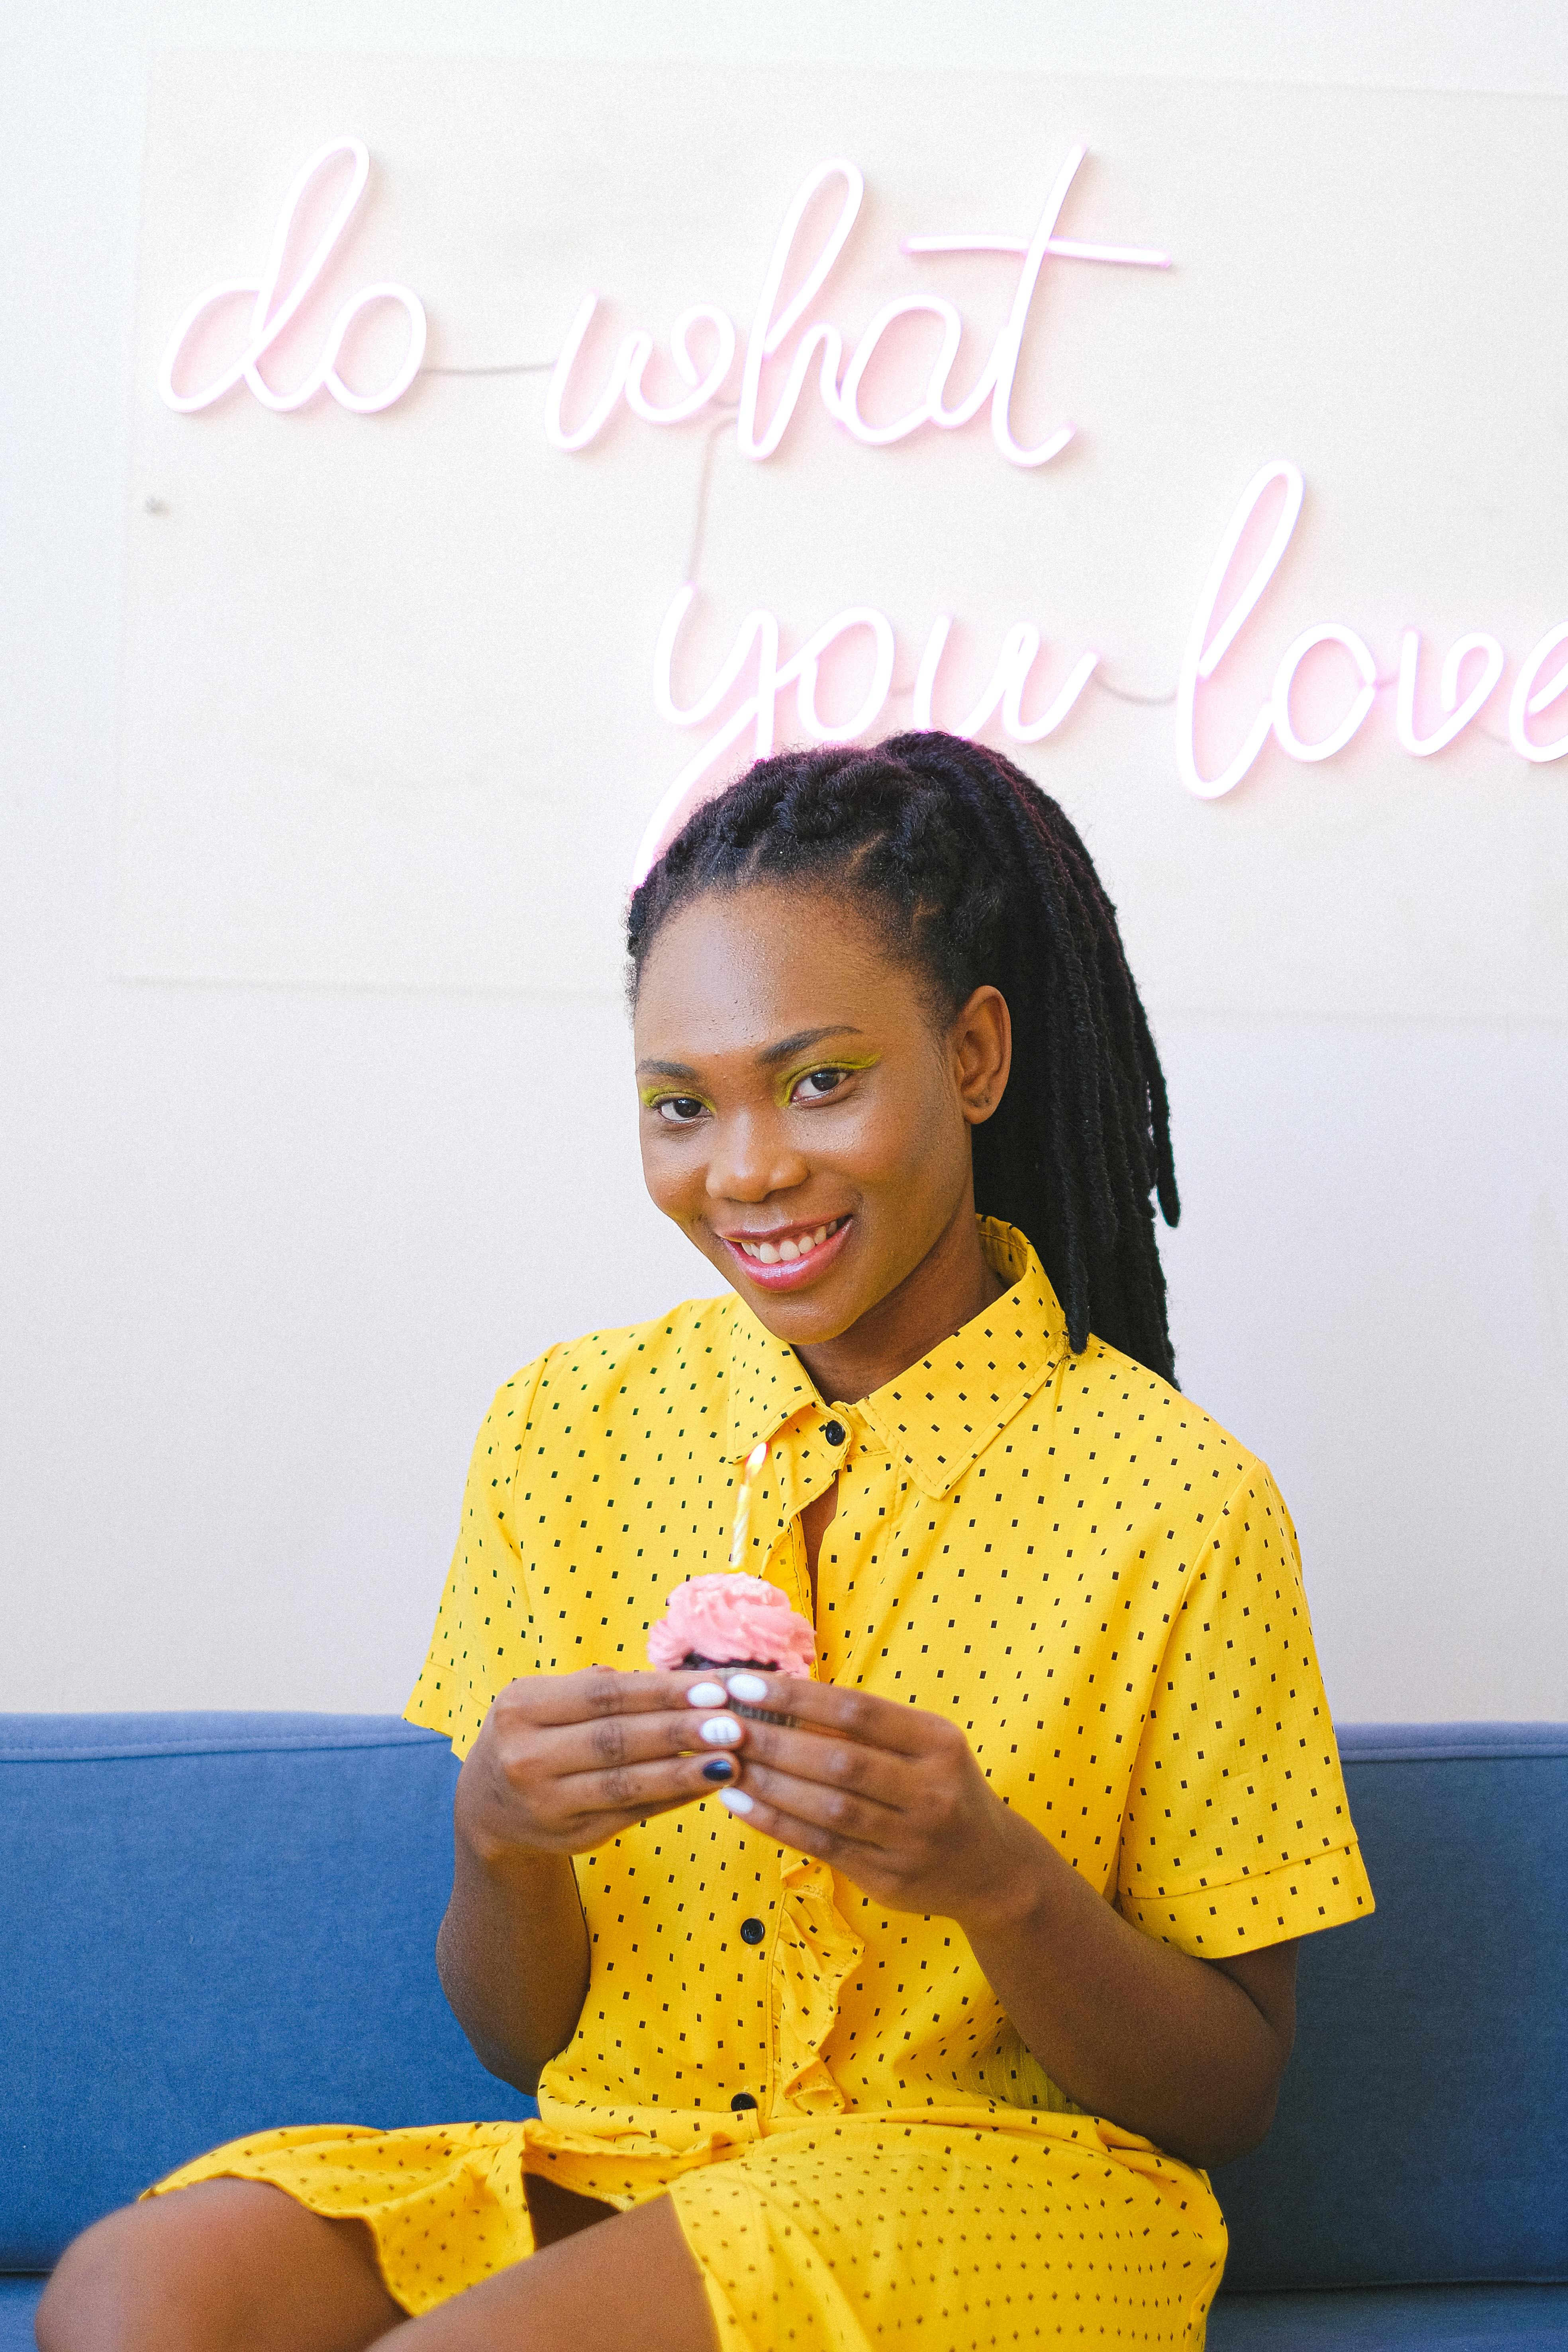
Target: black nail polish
(719,1768)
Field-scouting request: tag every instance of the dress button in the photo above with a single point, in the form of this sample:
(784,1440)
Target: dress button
(835,1432)
(751,1932)
(742,2100)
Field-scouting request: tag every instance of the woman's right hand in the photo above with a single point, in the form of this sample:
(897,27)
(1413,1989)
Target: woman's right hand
(564,1762)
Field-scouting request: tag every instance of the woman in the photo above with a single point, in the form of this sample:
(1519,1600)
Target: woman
(918,2015)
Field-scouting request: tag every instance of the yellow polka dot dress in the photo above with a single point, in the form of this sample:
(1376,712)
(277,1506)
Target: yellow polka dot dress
(1061,1554)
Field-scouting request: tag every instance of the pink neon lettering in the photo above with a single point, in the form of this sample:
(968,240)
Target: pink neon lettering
(1206,645)
(771,325)
(1528,700)
(821,344)
(1065,248)
(1000,372)
(274,308)
(752,663)
(757,639)
(757,712)
(626,372)
(805,666)
(704,388)
(599,416)
(1421,747)
(692,714)
(276,305)
(1020,650)
(1327,633)
(926,411)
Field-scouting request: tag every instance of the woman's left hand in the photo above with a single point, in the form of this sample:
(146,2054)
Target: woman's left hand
(1188,2051)
(892,1796)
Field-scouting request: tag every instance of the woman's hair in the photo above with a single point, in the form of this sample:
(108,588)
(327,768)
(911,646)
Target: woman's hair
(973,875)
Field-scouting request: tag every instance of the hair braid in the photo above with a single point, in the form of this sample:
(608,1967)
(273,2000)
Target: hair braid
(974,875)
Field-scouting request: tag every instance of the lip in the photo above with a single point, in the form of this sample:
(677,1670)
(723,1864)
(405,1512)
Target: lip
(787,1274)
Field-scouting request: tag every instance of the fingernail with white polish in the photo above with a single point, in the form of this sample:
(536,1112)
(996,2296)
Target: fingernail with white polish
(736,1799)
(722,1732)
(749,1687)
(706,1695)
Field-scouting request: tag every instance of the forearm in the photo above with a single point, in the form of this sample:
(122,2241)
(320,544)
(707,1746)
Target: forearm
(562,1763)
(514,1954)
(1189,2053)
(1130,2028)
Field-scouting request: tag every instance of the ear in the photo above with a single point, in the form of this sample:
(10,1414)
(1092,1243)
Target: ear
(981,1044)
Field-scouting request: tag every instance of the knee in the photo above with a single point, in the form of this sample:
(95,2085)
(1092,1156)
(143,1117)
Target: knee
(211,2267)
(90,2304)
(138,2281)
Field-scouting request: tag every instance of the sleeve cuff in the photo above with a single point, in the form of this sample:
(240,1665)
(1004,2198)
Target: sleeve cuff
(1271,1906)
(431,1716)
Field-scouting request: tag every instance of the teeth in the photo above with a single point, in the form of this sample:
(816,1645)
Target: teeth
(786,1252)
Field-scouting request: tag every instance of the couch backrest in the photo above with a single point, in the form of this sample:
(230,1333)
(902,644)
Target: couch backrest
(1423,2128)
(210,1924)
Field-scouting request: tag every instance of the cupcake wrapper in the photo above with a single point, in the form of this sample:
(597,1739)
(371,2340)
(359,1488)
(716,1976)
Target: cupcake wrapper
(743,1665)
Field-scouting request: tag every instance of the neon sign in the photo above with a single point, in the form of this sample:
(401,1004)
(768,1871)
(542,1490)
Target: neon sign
(772,324)
(757,712)
(741,698)
(274,307)
(1528,700)
(753,667)
(1208,644)
(1460,714)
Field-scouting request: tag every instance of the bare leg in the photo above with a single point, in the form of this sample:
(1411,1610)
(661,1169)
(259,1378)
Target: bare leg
(223,2266)
(629,2281)
(238,2266)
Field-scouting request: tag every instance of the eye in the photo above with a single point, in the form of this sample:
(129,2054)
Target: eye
(818,1083)
(679,1110)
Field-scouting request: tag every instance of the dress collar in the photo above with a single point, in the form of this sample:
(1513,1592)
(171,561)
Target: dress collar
(940,1413)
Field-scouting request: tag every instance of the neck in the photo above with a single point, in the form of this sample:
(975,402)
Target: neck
(953,1284)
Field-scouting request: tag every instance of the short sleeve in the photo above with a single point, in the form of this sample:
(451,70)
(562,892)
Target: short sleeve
(484,1633)
(1237,1832)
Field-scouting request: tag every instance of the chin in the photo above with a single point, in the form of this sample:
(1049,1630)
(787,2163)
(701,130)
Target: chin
(806,1318)
(801,1322)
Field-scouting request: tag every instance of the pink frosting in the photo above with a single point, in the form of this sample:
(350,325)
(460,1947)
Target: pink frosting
(729,1619)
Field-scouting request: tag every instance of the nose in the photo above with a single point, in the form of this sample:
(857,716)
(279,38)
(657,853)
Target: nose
(751,1157)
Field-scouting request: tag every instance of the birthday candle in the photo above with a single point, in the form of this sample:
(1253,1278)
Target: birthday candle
(749,1469)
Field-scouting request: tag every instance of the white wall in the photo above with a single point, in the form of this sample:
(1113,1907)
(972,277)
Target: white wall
(266,1252)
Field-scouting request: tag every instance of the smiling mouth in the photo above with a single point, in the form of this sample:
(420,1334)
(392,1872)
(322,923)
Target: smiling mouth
(791,1249)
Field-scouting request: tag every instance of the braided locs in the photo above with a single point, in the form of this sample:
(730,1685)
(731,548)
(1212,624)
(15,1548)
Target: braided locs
(973,875)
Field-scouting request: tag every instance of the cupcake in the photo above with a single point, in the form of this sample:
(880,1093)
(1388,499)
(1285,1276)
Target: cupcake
(728,1623)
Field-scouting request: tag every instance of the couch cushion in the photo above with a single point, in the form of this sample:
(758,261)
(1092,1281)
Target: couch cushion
(18,2301)
(1394,2319)
(1368,2319)
(1423,2127)
(210,1924)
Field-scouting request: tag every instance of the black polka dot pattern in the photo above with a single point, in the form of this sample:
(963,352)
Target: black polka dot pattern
(1064,1556)
(852,2235)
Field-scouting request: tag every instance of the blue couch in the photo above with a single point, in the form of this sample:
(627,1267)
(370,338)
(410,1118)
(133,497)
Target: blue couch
(212,1923)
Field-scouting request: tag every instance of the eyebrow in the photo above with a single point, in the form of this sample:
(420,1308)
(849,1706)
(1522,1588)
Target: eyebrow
(782,1051)
(789,1046)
